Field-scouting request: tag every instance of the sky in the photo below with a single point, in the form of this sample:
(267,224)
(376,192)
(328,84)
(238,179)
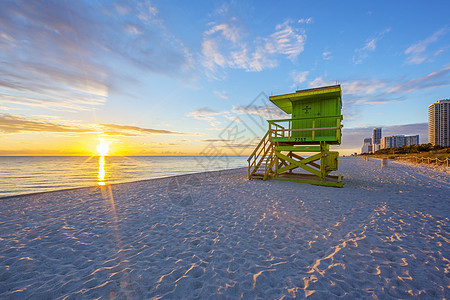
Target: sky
(194,77)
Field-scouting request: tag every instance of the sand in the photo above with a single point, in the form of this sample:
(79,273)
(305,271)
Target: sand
(215,235)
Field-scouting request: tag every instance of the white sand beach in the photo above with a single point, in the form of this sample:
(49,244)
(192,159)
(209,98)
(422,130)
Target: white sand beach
(215,235)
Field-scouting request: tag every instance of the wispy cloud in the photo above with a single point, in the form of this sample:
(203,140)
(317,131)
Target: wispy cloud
(305,20)
(236,113)
(229,32)
(35,84)
(223,94)
(16,124)
(286,40)
(319,81)
(362,53)
(432,80)
(49,50)
(360,91)
(376,91)
(223,47)
(298,77)
(206,114)
(417,52)
(115,129)
(267,111)
(326,55)
(363,87)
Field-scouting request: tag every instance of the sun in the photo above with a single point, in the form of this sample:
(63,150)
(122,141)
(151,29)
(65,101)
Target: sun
(102,147)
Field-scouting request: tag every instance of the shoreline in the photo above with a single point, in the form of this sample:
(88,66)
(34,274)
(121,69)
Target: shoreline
(109,184)
(218,234)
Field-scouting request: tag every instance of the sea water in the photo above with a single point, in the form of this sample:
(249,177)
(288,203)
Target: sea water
(26,174)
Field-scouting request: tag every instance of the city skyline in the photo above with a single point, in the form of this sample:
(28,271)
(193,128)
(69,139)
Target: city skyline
(166,78)
(378,141)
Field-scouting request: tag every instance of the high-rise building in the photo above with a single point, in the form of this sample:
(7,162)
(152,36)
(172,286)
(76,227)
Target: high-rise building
(376,139)
(367,146)
(439,123)
(412,140)
(376,136)
(399,141)
(387,142)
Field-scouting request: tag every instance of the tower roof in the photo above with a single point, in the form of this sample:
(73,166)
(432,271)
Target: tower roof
(284,102)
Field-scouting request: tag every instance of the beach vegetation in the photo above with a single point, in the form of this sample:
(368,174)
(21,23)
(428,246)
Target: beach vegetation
(422,150)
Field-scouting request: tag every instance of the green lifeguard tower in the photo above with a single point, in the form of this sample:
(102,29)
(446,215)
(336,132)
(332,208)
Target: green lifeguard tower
(316,124)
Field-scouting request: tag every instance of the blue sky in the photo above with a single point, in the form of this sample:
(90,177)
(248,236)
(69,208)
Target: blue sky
(175,77)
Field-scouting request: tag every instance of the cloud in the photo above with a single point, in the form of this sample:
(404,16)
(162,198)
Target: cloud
(53,52)
(111,129)
(53,87)
(305,20)
(286,40)
(299,77)
(370,46)
(210,49)
(375,91)
(16,124)
(133,29)
(122,9)
(223,94)
(432,80)
(206,114)
(267,111)
(359,92)
(326,55)
(223,47)
(319,81)
(416,53)
(212,140)
(53,102)
(363,87)
(230,33)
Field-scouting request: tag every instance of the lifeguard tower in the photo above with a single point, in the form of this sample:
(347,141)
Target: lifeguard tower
(315,125)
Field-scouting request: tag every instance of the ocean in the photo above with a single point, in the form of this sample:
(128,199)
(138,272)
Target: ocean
(29,174)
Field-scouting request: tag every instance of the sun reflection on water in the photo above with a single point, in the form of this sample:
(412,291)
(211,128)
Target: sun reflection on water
(101,171)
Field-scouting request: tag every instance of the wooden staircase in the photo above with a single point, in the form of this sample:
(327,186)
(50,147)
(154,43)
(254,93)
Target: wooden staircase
(261,161)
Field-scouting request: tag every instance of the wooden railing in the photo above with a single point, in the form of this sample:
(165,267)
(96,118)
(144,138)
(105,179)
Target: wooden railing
(279,131)
(426,160)
(263,149)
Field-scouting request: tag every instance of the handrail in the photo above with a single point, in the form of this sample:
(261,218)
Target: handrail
(276,125)
(312,118)
(257,147)
(308,129)
(278,131)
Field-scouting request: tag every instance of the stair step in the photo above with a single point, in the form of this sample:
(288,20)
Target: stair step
(258,175)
